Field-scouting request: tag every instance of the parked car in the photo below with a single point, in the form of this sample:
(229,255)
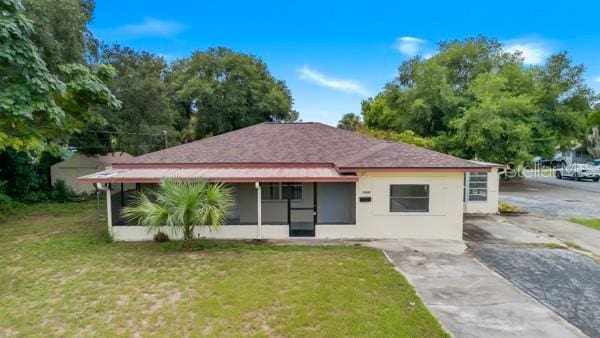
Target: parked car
(579,171)
(549,163)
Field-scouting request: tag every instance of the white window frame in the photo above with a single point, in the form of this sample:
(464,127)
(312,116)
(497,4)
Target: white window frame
(280,188)
(469,187)
(428,198)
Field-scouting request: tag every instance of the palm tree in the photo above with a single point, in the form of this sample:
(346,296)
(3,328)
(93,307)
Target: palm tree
(350,122)
(182,205)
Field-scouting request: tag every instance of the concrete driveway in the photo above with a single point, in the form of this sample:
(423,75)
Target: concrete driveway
(469,299)
(564,281)
(550,197)
(539,263)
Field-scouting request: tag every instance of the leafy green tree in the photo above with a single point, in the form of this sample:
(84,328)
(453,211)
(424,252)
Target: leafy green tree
(145,111)
(350,121)
(593,136)
(28,88)
(497,127)
(220,90)
(60,30)
(42,165)
(37,106)
(181,205)
(407,136)
(477,100)
(19,170)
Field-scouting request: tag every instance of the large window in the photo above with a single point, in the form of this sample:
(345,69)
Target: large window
(477,187)
(409,198)
(279,191)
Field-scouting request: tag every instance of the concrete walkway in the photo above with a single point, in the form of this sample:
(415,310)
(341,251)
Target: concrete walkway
(527,229)
(469,299)
(587,238)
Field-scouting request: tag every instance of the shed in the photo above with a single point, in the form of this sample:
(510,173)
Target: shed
(79,165)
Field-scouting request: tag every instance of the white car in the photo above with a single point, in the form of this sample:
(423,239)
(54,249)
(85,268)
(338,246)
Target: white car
(579,171)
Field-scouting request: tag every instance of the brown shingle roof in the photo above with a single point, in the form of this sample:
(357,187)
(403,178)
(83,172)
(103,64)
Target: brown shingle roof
(301,143)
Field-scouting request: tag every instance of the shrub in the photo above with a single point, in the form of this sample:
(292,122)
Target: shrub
(34,197)
(508,208)
(161,237)
(61,192)
(6,204)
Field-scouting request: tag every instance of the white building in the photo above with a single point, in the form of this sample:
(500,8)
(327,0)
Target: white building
(310,179)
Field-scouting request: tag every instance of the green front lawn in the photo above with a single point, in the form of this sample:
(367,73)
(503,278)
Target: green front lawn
(593,223)
(60,276)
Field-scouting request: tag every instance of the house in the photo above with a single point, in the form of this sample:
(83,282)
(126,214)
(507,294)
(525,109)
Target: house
(78,165)
(310,179)
(578,153)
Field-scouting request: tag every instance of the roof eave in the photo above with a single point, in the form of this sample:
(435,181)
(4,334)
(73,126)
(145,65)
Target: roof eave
(414,169)
(132,180)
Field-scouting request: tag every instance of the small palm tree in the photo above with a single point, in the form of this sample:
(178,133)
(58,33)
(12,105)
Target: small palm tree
(350,122)
(182,205)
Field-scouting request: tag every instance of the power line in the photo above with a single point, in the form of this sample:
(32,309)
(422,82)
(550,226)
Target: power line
(123,132)
(164,135)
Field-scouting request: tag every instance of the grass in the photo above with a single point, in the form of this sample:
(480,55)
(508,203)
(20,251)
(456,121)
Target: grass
(593,223)
(508,208)
(60,276)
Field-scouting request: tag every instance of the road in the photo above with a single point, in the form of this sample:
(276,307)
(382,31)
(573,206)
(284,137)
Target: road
(587,185)
(553,198)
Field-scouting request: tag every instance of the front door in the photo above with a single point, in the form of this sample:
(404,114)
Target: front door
(301,219)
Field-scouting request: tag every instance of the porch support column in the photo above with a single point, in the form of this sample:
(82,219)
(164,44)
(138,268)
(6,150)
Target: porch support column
(109,209)
(258,210)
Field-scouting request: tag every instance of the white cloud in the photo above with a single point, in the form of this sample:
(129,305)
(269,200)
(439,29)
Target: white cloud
(323,80)
(533,52)
(409,45)
(596,79)
(153,27)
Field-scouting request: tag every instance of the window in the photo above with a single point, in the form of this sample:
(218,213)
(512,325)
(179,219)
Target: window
(279,191)
(477,187)
(409,198)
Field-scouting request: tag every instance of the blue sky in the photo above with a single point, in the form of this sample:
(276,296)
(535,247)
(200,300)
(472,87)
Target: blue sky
(333,55)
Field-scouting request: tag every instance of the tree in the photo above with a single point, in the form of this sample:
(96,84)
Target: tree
(350,121)
(593,137)
(407,136)
(60,30)
(181,205)
(145,111)
(220,90)
(18,169)
(37,106)
(479,101)
(497,126)
(593,142)
(28,88)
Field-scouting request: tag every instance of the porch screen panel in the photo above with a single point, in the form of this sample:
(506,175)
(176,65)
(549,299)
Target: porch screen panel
(120,200)
(234,211)
(336,203)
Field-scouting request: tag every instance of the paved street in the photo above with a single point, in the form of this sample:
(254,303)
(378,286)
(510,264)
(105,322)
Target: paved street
(586,185)
(553,198)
